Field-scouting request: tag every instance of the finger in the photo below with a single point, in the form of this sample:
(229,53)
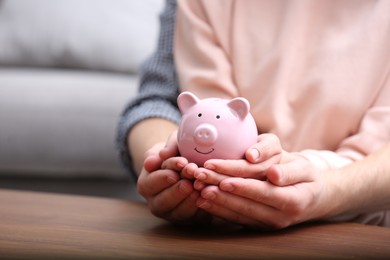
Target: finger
(299,170)
(174,163)
(235,209)
(150,184)
(241,168)
(170,198)
(188,171)
(152,163)
(209,177)
(199,185)
(152,160)
(261,192)
(267,146)
(186,210)
(170,149)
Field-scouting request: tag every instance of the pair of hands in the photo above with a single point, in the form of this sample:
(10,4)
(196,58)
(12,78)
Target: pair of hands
(270,188)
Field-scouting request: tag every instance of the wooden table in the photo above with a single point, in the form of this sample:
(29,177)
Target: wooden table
(47,226)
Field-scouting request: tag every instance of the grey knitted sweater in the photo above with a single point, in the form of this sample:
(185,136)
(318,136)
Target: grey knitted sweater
(158,88)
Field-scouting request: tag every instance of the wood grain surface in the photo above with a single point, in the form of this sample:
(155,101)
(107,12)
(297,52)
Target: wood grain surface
(51,226)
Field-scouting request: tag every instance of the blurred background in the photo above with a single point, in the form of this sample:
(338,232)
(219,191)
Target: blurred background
(67,69)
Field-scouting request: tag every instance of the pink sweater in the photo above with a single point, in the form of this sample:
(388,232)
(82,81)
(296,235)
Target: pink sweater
(317,73)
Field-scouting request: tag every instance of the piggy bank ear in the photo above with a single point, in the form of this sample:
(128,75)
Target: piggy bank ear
(240,107)
(186,100)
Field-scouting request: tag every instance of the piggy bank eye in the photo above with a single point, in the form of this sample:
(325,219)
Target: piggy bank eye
(200,115)
(218,117)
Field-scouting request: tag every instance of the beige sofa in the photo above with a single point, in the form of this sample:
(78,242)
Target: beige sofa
(67,69)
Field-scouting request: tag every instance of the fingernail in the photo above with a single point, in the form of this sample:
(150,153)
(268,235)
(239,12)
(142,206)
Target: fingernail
(209,166)
(255,153)
(185,188)
(180,164)
(192,170)
(171,180)
(209,196)
(227,187)
(198,185)
(204,204)
(200,176)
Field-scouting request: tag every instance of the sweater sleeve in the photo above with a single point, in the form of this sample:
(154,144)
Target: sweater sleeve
(158,88)
(373,134)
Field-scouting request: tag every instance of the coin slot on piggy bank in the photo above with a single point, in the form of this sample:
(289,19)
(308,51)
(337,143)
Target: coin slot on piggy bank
(214,128)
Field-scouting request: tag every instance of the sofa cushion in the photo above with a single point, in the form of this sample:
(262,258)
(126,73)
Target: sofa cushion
(61,123)
(92,34)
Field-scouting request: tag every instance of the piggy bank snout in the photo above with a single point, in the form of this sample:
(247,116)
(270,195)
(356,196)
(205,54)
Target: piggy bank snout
(205,134)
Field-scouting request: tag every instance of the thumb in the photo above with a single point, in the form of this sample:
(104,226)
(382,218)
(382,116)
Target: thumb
(152,160)
(152,163)
(170,149)
(267,146)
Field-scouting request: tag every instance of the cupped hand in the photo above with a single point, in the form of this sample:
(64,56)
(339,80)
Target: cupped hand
(168,195)
(293,193)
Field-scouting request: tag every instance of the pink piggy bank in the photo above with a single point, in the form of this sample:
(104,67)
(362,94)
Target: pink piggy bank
(214,128)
